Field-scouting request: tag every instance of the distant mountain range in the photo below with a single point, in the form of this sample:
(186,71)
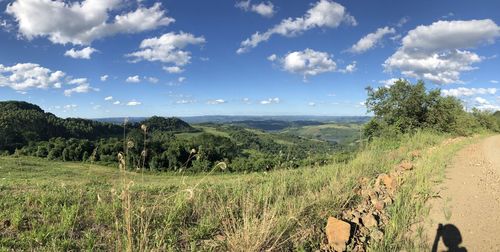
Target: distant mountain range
(246,119)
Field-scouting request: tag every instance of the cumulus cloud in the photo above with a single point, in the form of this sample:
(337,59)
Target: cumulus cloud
(265,9)
(323,14)
(181,79)
(481,100)
(349,68)
(274,100)
(133,103)
(371,40)
(82,22)
(173,69)
(84,53)
(461,91)
(104,77)
(133,79)
(272,57)
(308,63)
(215,102)
(438,52)
(82,86)
(117,103)
(25,76)
(494,81)
(312,104)
(167,49)
(109,98)
(389,82)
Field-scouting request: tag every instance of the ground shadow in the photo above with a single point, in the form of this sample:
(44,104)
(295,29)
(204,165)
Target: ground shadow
(451,238)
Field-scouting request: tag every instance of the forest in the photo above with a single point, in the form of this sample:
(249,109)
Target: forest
(156,143)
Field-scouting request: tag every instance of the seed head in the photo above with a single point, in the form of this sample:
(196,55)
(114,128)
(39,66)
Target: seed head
(130,144)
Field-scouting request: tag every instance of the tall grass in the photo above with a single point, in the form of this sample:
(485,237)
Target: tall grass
(278,211)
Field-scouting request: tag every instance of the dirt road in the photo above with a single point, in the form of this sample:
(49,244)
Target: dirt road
(469,204)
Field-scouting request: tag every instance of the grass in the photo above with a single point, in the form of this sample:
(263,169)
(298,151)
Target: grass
(341,133)
(57,206)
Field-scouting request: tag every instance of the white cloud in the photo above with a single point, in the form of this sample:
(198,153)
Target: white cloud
(371,40)
(104,77)
(84,53)
(173,69)
(4,25)
(246,100)
(25,76)
(349,68)
(272,57)
(389,82)
(312,104)
(167,48)
(437,52)
(494,81)
(275,100)
(215,102)
(308,62)
(323,14)
(82,22)
(181,79)
(183,101)
(69,107)
(402,21)
(109,98)
(481,100)
(133,79)
(152,79)
(489,107)
(461,91)
(82,86)
(265,9)
(117,103)
(133,103)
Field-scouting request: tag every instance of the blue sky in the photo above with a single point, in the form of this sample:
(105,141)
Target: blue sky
(241,57)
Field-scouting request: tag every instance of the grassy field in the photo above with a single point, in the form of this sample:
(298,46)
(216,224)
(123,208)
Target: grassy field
(333,132)
(56,206)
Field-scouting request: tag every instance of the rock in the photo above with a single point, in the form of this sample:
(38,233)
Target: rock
(338,233)
(377,235)
(406,165)
(379,205)
(369,220)
(389,182)
(388,200)
(415,154)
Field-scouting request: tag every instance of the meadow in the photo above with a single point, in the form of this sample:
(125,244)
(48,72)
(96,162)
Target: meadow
(59,206)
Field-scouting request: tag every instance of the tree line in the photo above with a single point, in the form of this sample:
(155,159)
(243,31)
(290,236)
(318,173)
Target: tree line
(154,143)
(405,108)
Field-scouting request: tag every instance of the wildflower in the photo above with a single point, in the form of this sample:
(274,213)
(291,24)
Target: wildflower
(144,127)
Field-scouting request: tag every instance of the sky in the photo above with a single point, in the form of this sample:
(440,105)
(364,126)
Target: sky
(117,58)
